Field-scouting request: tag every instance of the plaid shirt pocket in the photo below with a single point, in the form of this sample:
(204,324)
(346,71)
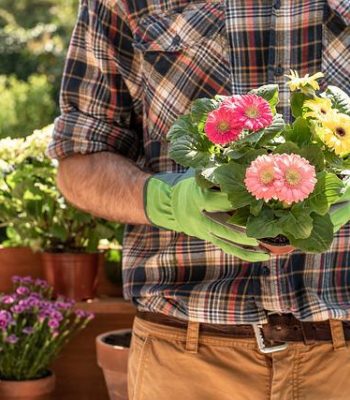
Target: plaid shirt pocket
(184,57)
(174,31)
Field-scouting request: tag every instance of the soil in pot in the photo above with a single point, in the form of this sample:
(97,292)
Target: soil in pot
(36,389)
(279,245)
(112,356)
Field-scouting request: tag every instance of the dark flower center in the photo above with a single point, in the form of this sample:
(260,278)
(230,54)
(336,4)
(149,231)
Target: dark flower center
(340,132)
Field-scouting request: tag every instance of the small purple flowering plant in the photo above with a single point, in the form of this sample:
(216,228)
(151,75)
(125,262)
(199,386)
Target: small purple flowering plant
(34,328)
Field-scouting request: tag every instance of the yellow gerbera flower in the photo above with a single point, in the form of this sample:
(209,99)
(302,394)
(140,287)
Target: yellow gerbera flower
(336,133)
(321,108)
(307,84)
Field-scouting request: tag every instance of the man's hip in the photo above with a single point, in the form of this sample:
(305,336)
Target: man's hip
(187,362)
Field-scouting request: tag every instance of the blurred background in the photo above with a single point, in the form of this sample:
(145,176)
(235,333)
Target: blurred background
(34,35)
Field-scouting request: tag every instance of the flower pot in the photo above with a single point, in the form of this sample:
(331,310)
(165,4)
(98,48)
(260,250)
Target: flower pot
(72,275)
(112,356)
(278,249)
(36,389)
(20,261)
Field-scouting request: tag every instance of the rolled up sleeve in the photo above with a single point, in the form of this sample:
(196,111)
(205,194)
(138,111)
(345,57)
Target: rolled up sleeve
(100,90)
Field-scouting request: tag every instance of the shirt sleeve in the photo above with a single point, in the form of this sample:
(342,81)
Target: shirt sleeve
(100,91)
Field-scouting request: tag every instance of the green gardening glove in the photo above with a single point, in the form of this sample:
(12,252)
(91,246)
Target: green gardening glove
(176,202)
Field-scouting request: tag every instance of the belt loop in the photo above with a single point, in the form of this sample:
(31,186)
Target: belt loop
(338,337)
(192,337)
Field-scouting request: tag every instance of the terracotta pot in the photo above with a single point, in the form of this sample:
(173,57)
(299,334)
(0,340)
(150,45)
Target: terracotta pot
(72,275)
(112,356)
(20,261)
(37,389)
(277,249)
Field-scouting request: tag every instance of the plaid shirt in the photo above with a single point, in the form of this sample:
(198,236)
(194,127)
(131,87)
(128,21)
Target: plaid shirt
(133,66)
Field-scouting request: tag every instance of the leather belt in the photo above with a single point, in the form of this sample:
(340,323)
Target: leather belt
(280,328)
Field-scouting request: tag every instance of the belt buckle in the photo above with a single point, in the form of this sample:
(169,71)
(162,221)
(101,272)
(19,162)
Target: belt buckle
(260,340)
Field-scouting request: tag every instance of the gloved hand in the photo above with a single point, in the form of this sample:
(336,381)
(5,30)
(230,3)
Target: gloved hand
(176,202)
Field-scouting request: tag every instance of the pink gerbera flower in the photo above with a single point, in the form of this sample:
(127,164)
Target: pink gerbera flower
(231,101)
(262,178)
(299,178)
(222,127)
(253,112)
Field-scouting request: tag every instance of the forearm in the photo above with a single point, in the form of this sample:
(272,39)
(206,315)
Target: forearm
(104,184)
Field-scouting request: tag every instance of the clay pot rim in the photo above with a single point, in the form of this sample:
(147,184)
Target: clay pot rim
(274,244)
(101,342)
(45,386)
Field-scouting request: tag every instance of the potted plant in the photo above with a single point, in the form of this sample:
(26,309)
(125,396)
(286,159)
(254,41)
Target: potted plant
(289,184)
(33,330)
(112,356)
(38,216)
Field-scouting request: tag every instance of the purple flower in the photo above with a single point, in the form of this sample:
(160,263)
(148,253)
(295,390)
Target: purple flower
(7,299)
(41,283)
(53,324)
(80,313)
(56,315)
(5,319)
(12,339)
(28,330)
(18,309)
(16,279)
(22,290)
(84,314)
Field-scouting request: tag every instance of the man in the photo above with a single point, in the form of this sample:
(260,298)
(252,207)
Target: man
(132,68)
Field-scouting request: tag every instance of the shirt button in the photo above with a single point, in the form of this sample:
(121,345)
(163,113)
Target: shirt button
(176,40)
(279,70)
(277,4)
(265,270)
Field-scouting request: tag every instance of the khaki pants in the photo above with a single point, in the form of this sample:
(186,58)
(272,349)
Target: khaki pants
(171,364)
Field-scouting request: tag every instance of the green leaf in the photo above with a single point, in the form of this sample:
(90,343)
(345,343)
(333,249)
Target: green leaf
(297,223)
(59,231)
(269,93)
(340,100)
(327,191)
(209,174)
(300,133)
(240,217)
(263,225)
(201,107)
(256,206)
(181,127)
(272,131)
(287,148)
(203,182)
(314,155)
(296,102)
(189,152)
(321,236)
(231,180)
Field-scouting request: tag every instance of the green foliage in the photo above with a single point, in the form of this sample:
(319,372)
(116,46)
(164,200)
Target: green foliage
(340,100)
(32,208)
(306,224)
(24,106)
(34,36)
